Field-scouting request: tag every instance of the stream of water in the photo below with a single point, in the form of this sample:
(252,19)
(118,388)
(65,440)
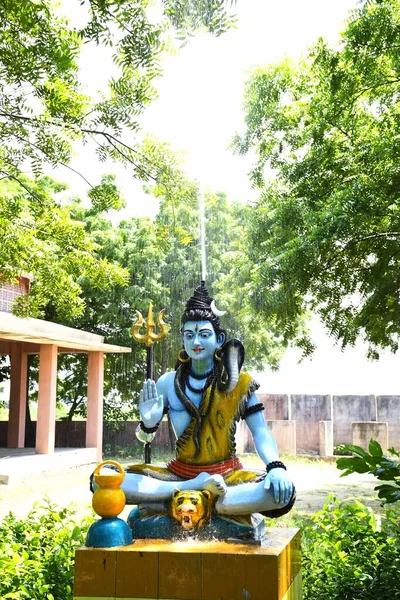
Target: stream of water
(202,234)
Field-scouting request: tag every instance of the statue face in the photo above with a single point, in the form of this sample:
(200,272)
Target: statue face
(200,340)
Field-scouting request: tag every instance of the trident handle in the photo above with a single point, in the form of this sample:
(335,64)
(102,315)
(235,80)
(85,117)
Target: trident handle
(149,338)
(150,363)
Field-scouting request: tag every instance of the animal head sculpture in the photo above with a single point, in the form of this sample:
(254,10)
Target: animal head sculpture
(191,509)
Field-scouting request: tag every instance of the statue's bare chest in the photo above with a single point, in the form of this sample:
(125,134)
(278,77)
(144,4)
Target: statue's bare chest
(179,415)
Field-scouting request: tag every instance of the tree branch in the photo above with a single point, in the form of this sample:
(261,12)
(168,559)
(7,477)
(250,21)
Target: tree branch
(15,178)
(77,172)
(363,91)
(112,140)
(26,141)
(377,235)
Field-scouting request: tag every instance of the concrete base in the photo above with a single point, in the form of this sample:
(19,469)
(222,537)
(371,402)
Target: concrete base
(15,463)
(193,570)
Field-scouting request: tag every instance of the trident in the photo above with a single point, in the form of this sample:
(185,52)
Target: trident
(149,338)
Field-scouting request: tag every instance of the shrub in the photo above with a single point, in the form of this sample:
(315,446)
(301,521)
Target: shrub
(349,553)
(37,554)
(374,462)
(341,450)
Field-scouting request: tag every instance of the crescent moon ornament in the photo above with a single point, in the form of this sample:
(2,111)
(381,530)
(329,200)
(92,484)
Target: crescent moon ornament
(216,311)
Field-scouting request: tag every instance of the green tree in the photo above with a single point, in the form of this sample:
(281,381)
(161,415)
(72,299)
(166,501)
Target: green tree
(45,109)
(162,258)
(325,231)
(111,312)
(40,236)
(178,233)
(46,113)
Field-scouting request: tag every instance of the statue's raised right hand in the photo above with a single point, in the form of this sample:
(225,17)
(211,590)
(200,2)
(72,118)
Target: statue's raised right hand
(151,405)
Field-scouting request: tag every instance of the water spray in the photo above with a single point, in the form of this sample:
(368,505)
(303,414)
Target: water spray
(202,234)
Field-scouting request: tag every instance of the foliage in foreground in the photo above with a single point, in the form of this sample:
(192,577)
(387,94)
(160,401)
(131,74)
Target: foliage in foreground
(37,554)
(349,553)
(374,462)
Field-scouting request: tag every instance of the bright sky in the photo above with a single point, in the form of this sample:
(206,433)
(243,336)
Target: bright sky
(200,103)
(199,110)
(199,107)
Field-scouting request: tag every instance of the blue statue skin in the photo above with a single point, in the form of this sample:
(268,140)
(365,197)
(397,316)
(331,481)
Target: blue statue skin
(274,492)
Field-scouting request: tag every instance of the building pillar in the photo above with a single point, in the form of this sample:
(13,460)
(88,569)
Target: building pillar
(46,417)
(94,420)
(18,382)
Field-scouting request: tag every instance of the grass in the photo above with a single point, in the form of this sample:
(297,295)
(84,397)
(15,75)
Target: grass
(131,454)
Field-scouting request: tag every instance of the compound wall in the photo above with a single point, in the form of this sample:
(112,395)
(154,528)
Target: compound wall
(295,421)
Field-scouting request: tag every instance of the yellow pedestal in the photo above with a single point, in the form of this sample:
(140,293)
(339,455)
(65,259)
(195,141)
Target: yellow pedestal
(190,570)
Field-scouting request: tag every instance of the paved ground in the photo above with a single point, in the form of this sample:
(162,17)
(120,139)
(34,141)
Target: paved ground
(314,480)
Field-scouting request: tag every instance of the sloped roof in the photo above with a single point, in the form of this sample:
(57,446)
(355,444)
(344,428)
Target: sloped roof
(36,331)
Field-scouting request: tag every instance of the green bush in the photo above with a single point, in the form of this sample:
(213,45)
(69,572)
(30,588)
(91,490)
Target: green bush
(349,553)
(382,467)
(341,450)
(37,554)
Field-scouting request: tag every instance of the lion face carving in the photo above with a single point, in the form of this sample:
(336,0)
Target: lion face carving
(191,509)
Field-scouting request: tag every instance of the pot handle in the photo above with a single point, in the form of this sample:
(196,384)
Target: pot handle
(109,462)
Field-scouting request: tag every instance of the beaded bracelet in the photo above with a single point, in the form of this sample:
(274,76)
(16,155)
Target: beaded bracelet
(148,429)
(275,464)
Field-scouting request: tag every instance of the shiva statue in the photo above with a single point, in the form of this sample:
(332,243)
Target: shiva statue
(205,397)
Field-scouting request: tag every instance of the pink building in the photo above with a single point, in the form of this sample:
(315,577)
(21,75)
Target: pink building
(20,337)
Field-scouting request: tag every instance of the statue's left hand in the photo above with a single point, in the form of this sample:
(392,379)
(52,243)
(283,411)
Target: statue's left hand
(280,484)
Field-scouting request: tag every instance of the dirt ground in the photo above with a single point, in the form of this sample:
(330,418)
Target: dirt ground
(314,480)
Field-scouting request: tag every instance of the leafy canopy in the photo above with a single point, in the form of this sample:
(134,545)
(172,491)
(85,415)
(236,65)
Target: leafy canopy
(162,259)
(46,112)
(325,231)
(44,107)
(40,235)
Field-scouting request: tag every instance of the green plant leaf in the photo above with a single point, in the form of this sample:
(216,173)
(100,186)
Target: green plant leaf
(375,448)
